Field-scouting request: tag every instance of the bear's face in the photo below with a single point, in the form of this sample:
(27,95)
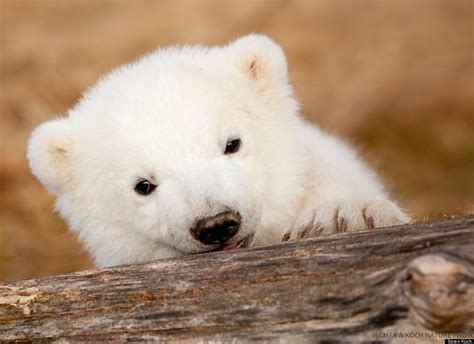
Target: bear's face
(169,156)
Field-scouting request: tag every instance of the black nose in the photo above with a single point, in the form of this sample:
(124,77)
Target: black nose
(216,229)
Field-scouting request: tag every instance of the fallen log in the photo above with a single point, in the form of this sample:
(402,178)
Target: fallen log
(408,283)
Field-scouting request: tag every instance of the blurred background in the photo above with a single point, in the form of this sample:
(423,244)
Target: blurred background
(392,77)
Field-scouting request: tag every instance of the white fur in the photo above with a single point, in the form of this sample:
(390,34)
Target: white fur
(167,118)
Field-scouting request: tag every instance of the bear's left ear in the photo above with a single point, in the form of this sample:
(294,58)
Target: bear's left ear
(49,154)
(260,59)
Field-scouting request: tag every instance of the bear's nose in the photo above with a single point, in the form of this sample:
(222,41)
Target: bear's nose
(216,229)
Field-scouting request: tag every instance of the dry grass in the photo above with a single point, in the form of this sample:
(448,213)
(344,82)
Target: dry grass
(394,77)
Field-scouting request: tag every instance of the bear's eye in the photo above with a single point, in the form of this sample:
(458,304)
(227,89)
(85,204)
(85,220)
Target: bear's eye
(144,187)
(232,146)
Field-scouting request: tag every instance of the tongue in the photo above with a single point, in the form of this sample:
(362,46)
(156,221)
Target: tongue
(229,246)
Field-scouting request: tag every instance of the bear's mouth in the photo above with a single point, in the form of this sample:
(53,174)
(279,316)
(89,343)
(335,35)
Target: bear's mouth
(242,243)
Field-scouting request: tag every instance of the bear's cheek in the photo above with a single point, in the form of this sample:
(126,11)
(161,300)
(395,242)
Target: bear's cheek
(161,217)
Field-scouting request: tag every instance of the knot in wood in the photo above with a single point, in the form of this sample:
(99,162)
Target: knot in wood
(440,291)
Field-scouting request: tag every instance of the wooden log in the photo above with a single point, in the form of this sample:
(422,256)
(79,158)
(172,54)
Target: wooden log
(410,283)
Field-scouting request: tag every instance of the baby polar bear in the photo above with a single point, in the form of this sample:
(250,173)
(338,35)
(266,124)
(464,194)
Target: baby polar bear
(195,149)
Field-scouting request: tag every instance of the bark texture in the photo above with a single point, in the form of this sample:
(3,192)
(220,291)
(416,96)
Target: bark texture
(415,280)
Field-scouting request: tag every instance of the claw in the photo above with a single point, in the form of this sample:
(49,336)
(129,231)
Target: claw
(370,222)
(342,225)
(304,233)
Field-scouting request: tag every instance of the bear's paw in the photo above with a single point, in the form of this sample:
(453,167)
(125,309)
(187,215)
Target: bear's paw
(345,215)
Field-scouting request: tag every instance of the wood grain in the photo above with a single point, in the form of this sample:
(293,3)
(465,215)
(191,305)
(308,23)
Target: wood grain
(347,287)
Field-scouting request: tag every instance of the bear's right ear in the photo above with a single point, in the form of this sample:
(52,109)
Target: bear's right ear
(49,154)
(260,60)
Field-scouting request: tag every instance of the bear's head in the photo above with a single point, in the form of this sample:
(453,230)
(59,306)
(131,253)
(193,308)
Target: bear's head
(187,150)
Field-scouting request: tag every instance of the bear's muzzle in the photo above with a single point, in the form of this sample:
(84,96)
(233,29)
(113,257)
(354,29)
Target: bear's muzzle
(217,229)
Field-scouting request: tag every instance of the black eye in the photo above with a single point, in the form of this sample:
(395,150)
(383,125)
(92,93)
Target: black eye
(232,146)
(144,187)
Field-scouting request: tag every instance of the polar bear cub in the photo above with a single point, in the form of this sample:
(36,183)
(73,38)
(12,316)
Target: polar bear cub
(194,149)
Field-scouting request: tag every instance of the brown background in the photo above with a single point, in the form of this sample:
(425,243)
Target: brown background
(393,77)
